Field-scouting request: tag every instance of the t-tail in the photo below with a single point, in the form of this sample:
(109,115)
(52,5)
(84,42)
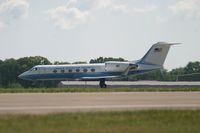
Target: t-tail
(157,54)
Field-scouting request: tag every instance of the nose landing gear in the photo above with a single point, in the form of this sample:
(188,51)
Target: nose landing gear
(102,83)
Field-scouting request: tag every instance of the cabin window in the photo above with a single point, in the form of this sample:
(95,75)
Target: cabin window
(55,71)
(92,70)
(70,70)
(35,69)
(77,70)
(85,70)
(117,65)
(62,71)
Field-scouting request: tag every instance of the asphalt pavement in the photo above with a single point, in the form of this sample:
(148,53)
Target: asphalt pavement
(42,103)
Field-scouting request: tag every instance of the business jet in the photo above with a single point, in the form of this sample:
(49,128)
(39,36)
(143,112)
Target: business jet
(152,60)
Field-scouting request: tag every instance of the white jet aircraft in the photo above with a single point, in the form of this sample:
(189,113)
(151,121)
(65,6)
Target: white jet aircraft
(152,60)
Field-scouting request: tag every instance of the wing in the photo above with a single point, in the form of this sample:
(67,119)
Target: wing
(98,77)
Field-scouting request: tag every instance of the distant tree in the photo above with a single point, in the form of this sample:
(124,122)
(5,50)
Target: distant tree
(60,63)
(80,62)
(192,67)
(28,62)
(105,59)
(154,75)
(1,62)
(172,75)
(9,70)
(177,71)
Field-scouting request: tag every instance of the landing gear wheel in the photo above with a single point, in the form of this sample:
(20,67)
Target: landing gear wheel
(102,83)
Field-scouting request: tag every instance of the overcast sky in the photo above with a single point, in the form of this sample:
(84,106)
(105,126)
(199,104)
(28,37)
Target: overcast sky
(80,30)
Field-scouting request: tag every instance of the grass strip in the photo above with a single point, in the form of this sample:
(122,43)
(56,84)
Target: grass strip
(152,121)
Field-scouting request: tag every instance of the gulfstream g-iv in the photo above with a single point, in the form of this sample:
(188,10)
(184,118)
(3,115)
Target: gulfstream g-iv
(152,60)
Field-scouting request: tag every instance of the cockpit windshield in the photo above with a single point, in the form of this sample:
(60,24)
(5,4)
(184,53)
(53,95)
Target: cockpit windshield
(34,69)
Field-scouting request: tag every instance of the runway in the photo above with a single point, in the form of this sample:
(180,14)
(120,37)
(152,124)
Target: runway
(131,84)
(42,103)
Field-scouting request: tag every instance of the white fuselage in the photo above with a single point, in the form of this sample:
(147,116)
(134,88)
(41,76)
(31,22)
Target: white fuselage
(86,71)
(152,60)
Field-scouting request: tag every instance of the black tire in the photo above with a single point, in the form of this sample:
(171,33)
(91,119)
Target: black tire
(101,85)
(104,86)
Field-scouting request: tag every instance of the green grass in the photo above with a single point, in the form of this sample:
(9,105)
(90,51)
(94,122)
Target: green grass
(55,90)
(153,121)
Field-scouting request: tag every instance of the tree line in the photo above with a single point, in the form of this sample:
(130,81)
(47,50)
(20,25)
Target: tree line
(11,68)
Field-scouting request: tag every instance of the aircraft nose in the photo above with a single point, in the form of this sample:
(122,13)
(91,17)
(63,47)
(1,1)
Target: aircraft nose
(23,76)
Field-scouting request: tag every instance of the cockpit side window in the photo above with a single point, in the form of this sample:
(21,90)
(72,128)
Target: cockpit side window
(34,69)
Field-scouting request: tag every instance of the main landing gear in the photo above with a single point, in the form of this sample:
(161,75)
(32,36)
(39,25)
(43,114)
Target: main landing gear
(102,83)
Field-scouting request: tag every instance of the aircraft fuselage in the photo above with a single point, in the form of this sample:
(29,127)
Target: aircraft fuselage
(152,60)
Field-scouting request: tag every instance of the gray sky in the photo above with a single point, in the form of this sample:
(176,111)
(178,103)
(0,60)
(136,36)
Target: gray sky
(80,30)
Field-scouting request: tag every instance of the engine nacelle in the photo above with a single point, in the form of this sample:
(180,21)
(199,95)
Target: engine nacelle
(116,66)
(133,66)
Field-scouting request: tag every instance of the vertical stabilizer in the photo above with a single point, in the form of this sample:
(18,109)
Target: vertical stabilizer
(157,53)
